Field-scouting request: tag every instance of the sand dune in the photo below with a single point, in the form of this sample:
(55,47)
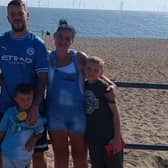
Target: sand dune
(144,112)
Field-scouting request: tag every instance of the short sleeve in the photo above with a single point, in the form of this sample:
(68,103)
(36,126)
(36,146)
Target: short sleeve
(41,57)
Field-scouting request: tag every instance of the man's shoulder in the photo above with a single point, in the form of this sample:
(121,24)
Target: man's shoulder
(32,36)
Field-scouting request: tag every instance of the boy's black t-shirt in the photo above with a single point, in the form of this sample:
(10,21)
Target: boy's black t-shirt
(99,128)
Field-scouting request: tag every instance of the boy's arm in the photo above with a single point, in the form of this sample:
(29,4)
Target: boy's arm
(1,78)
(4,123)
(1,135)
(116,121)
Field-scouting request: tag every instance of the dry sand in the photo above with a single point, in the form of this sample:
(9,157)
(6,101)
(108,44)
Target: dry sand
(144,112)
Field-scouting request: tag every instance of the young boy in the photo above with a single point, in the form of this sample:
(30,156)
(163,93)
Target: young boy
(19,137)
(103,123)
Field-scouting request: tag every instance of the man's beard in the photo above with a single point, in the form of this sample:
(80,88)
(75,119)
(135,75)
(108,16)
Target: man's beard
(20,29)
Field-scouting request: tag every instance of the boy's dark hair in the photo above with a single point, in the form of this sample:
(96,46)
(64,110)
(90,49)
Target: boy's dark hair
(24,88)
(63,25)
(17,3)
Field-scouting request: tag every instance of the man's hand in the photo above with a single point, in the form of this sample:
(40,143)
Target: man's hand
(33,114)
(32,142)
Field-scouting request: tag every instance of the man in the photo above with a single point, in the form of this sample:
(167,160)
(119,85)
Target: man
(23,59)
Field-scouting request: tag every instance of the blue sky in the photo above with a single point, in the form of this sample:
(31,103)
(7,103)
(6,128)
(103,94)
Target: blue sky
(148,5)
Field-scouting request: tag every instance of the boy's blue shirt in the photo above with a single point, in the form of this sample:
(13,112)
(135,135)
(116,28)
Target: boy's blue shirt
(17,134)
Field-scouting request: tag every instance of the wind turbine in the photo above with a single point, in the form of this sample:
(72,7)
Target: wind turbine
(48,5)
(73,4)
(79,4)
(39,1)
(121,5)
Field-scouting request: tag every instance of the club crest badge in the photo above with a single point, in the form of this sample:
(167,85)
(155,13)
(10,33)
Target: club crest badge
(30,51)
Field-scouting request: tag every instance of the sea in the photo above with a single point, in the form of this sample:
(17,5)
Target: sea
(96,23)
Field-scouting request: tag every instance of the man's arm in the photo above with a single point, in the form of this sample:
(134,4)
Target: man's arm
(38,130)
(40,89)
(32,142)
(39,94)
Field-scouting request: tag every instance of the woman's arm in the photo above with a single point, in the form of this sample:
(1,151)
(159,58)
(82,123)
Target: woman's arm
(116,121)
(82,57)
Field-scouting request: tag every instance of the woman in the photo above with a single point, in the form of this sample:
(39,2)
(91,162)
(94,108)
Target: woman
(65,100)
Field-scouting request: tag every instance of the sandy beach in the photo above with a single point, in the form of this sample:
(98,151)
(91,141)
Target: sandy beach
(144,112)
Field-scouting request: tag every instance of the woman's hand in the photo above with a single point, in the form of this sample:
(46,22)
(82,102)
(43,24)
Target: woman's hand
(110,93)
(116,143)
